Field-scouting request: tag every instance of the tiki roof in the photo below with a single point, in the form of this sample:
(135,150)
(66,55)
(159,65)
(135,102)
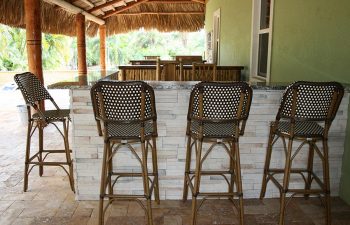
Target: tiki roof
(120,16)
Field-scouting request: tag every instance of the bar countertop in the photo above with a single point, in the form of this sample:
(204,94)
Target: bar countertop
(163,85)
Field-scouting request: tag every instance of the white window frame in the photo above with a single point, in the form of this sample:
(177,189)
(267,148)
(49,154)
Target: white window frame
(256,31)
(216,36)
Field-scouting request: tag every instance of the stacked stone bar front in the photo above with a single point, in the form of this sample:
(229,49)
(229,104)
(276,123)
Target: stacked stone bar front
(172,104)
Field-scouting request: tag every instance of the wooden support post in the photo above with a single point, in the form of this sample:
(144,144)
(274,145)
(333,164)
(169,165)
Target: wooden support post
(32,11)
(158,69)
(102,31)
(80,29)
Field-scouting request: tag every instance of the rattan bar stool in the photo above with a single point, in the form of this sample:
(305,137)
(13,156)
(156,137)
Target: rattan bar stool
(125,113)
(34,94)
(203,72)
(305,116)
(217,115)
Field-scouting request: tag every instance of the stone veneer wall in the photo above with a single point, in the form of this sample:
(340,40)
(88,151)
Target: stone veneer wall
(172,107)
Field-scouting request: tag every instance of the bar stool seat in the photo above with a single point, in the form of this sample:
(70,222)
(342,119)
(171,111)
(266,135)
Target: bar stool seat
(302,128)
(214,130)
(123,131)
(53,115)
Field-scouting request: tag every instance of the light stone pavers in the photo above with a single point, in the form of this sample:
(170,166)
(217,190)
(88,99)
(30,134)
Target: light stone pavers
(172,106)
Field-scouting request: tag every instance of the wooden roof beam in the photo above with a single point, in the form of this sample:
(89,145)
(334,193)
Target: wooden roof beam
(172,2)
(88,3)
(150,1)
(108,14)
(104,5)
(176,1)
(162,13)
(199,1)
(75,10)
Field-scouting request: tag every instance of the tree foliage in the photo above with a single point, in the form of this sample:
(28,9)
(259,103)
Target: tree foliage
(60,52)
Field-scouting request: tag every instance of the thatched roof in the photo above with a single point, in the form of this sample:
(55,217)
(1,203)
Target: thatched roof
(120,16)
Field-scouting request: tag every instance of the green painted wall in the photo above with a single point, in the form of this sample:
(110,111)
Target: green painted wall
(311,40)
(235,30)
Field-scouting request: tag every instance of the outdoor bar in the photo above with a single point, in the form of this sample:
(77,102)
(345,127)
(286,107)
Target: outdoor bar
(172,105)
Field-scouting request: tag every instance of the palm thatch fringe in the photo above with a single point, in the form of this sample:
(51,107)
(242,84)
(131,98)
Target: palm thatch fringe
(164,23)
(58,21)
(54,20)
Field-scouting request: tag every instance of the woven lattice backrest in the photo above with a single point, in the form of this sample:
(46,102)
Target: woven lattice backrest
(32,89)
(317,101)
(221,101)
(203,72)
(121,101)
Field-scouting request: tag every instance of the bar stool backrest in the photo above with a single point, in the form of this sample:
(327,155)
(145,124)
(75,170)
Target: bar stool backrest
(204,72)
(123,102)
(221,102)
(311,101)
(32,89)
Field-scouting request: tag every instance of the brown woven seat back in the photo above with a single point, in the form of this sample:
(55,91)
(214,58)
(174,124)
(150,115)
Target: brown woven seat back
(32,89)
(122,101)
(221,101)
(314,101)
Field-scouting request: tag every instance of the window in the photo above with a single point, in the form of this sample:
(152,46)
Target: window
(261,39)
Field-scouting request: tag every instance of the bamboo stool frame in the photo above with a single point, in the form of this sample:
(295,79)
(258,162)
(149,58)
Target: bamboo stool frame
(104,95)
(239,105)
(34,94)
(304,106)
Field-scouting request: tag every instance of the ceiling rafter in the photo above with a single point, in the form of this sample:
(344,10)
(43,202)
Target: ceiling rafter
(149,1)
(163,13)
(75,10)
(110,3)
(199,1)
(108,14)
(88,3)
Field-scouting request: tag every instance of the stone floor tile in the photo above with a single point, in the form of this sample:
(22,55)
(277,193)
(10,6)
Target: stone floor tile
(10,215)
(4,205)
(173,220)
(23,221)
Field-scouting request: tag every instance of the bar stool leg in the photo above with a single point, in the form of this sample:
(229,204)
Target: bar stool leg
(267,164)
(310,163)
(146,184)
(197,180)
(285,182)
(26,163)
(239,182)
(103,183)
(41,148)
(187,168)
(155,170)
(232,171)
(326,182)
(109,170)
(67,151)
